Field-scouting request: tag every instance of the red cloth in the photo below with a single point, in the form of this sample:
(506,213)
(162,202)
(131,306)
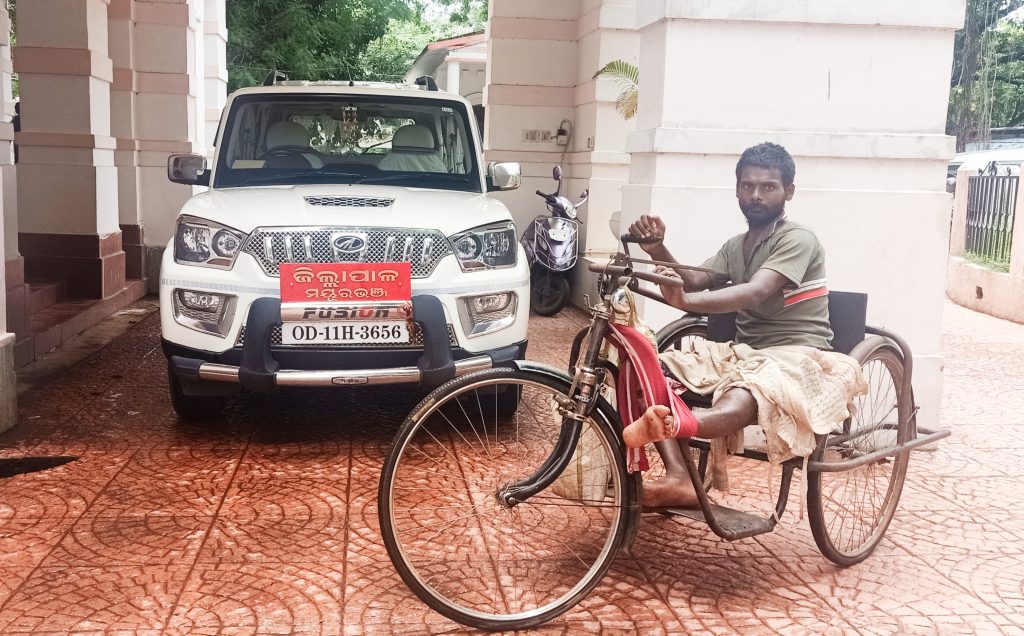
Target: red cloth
(642,384)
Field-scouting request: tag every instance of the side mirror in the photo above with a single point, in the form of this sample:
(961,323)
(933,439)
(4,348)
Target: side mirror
(188,170)
(504,176)
(556,173)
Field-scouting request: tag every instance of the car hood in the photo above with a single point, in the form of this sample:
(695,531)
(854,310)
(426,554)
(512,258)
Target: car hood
(347,205)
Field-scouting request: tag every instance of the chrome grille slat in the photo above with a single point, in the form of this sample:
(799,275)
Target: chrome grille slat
(271,246)
(415,342)
(350,202)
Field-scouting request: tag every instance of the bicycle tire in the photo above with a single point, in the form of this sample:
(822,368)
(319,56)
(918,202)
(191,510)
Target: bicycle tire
(550,525)
(883,418)
(675,333)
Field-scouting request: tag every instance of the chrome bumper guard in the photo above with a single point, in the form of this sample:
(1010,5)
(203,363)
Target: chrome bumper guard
(359,377)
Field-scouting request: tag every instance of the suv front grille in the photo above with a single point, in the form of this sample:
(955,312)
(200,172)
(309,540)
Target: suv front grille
(351,202)
(415,342)
(422,249)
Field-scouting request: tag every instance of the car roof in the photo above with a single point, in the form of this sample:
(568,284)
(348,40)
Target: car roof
(982,158)
(350,88)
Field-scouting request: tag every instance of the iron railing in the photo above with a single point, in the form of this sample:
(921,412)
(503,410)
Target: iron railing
(991,201)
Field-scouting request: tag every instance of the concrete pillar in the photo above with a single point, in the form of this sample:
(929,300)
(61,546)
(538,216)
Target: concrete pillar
(67,183)
(8,218)
(606,32)
(454,77)
(719,77)
(123,96)
(530,88)
(215,68)
(166,107)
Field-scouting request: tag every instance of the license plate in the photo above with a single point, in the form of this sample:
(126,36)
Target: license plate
(344,332)
(345,282)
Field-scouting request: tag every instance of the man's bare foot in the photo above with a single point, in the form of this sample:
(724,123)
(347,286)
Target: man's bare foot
(654,425)
(669,492)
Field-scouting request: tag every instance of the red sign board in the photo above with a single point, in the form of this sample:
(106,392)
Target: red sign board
(345,282)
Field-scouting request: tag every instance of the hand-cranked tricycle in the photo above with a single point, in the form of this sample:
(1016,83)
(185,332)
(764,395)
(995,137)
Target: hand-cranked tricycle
(507,495)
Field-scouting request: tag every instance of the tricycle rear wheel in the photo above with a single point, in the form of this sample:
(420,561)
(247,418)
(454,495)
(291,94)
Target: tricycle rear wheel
(849,511)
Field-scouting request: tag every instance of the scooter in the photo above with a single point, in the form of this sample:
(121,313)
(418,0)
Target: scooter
(552,247)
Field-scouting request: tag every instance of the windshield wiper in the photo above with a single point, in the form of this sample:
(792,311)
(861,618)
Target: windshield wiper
(290,178)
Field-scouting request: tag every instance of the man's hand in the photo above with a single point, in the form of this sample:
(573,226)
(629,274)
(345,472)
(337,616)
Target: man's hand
(672,293)
(650,229)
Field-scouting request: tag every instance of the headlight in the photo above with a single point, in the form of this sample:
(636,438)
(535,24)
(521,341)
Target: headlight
(486,247)
(201,242)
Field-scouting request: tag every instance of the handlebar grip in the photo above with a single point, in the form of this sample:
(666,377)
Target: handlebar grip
(541,194)
(632,238)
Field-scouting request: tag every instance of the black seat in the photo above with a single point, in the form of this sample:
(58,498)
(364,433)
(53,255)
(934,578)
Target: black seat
(847,312)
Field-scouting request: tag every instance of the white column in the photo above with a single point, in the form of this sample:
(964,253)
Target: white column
(67,184)
(123,95)
(719,77)
(531,85)
(165,110)
(606,32)
(454,77)
(215,68)
(8,247)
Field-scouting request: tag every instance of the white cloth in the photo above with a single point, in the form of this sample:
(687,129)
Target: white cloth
(800,391)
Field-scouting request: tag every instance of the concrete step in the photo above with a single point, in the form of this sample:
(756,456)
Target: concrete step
(43,293)
(56,324)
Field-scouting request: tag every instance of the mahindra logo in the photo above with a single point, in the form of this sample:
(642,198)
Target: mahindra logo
(349,244)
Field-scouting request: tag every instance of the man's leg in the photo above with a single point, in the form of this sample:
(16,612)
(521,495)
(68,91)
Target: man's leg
(736,409)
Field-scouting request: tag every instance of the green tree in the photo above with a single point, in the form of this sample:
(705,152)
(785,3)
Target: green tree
(975,64)
(307,39)
(389,57)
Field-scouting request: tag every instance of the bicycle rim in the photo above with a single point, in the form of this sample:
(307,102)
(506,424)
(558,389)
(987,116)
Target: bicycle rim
(851,510)
(460,550)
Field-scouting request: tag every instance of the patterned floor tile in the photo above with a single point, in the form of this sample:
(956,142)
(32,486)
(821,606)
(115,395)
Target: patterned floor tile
(274,598)
(68,600)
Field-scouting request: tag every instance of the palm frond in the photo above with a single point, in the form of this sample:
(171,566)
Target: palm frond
(627,102)
(626,77)
(620,71)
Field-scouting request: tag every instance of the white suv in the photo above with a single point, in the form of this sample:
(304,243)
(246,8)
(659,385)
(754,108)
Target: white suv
(318,191)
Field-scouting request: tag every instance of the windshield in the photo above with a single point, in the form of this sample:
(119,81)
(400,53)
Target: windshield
(302,139)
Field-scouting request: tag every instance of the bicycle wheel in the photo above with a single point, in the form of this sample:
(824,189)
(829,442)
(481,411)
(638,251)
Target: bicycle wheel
(850,511)
(464,553)
(679,333)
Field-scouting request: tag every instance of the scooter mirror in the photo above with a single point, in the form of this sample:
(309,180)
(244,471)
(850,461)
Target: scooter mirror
(556,173)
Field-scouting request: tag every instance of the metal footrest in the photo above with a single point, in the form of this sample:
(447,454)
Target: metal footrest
(735,523)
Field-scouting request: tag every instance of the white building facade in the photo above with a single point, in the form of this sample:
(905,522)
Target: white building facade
(856,92)
(107,89)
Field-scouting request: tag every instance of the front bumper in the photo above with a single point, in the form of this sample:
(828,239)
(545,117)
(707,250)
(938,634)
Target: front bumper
(258,366)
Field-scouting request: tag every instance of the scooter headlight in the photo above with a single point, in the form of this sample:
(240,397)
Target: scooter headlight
(486,247)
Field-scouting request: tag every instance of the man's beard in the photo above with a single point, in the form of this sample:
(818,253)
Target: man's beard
(760,215)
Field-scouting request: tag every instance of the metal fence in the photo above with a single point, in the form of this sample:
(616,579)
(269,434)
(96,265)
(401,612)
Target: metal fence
(991,201)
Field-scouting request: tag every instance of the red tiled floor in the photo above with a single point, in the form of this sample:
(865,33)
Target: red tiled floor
(265,522)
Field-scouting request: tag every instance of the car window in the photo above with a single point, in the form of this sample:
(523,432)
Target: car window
(298,139)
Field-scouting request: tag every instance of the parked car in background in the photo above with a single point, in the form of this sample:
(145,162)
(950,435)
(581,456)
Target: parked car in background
(1005,161)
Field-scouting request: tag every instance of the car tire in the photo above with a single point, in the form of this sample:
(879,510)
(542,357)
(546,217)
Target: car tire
(194,408)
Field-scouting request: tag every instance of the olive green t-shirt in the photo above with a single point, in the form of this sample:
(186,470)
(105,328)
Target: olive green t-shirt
(798,313)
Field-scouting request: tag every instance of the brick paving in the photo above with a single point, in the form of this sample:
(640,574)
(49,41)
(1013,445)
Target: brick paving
(265,523)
